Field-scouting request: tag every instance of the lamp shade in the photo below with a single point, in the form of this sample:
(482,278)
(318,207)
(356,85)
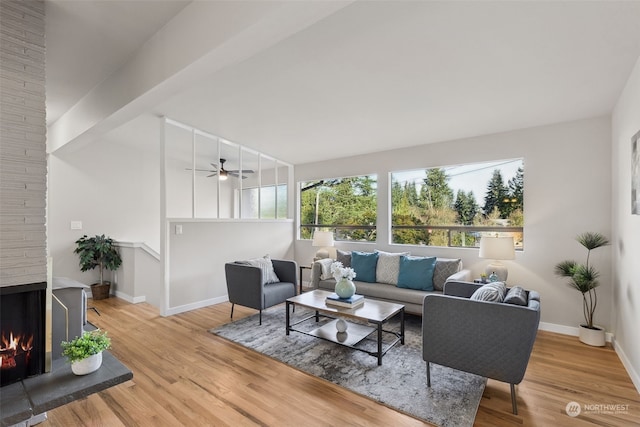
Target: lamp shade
(497,248)
(322,239)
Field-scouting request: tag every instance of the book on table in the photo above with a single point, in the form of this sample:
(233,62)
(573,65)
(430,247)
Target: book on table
(351,302)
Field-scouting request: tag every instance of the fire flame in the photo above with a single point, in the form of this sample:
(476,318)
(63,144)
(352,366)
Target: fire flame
(12,347)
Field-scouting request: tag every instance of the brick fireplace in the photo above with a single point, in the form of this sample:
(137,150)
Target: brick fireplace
(23,188)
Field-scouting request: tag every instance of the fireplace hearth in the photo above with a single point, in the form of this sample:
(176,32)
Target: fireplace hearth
(22,332)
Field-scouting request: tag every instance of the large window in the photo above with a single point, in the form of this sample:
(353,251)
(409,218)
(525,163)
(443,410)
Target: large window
(456,205)
(346,206)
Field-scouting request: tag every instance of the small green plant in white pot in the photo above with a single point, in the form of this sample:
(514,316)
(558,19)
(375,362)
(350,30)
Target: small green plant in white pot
(85,352)
(584,278)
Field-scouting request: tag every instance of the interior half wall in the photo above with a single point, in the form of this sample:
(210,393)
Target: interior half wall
(196,257)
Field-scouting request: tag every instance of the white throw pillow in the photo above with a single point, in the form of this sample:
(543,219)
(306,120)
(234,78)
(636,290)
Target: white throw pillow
(388,267)
(494,291)
(265,264)
(326,268)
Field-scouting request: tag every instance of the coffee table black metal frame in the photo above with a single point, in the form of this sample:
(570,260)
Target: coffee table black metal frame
(372,311)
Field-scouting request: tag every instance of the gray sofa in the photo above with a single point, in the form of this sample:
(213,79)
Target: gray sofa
(410,298)
(490,339)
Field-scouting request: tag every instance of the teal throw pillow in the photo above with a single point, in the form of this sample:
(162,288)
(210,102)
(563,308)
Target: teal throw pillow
(364,264)
(416,272)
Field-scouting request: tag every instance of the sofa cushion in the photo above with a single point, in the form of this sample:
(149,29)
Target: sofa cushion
(388,267)
(517,296)
(344,257)
(494,291)
(265,264)
(364,264)
(416,272)
(388,293)
(444,268)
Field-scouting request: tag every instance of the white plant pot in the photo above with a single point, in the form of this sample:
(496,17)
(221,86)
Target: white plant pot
(88,365)
(594,337)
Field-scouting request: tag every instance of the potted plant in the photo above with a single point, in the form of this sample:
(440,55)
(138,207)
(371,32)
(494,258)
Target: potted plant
(98,251)
(584,278)
(85,352)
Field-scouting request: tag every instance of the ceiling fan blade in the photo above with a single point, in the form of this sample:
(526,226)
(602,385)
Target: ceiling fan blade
(240,171)
(213,174)
(236,175)
(198,170)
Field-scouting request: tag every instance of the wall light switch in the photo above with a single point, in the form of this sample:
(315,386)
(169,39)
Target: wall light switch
(178,229)
(76,225)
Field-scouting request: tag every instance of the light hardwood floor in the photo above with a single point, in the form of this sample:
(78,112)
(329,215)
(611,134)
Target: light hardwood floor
(184,375)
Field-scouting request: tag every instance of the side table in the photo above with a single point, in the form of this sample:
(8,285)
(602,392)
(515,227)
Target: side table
(303,267)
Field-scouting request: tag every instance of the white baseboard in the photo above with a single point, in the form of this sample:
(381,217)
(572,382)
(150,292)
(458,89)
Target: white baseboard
(633,374)
(567,330)
(188,307)
(129,298)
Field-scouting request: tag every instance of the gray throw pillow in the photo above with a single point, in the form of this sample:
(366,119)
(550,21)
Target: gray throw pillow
(516,295)
(445,267)
(494,291)
(344,257)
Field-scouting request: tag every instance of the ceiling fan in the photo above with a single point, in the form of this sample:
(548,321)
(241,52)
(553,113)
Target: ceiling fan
(224,173)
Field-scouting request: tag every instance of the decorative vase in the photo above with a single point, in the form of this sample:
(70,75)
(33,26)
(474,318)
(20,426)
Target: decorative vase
(345,288)
(88,365)
(594,337)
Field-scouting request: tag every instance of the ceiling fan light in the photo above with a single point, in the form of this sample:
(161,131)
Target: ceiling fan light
(223,175)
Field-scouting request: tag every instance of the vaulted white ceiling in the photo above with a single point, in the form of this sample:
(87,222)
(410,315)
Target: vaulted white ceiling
(357,77)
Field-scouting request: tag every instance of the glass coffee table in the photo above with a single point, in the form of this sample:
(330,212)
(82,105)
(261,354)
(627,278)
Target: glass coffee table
(372,312)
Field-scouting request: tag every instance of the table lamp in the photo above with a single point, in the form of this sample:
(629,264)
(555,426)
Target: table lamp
(497,248)
(324,240)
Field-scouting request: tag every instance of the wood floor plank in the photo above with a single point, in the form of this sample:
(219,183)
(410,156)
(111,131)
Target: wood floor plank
(183,375)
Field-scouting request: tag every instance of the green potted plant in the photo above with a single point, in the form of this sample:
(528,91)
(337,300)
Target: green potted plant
(98,251)
(85,352)
(584,278)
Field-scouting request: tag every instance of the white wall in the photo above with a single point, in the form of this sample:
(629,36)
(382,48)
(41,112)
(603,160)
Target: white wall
(139,277)
(196,257)
(112,189)
(626,229)
(567,191)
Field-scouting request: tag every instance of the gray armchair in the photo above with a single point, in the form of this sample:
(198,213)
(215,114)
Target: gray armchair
(489,339)
(244,285)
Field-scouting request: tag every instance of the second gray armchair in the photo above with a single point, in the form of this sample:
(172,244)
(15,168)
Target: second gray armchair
(245,285)
(489,339)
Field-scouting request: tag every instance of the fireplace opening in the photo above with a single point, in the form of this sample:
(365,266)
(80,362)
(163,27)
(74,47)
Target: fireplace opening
(22,331)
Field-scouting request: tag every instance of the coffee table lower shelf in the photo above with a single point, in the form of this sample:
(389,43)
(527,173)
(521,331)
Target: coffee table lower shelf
(354,334)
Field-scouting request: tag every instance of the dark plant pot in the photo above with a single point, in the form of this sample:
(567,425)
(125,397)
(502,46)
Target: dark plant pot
(594,337)
(100,290)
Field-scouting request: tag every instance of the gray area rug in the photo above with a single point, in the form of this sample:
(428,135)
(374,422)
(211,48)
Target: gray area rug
(400,383)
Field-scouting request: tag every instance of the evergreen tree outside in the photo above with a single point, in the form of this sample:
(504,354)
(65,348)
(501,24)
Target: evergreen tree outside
(496,194)
(436,193)
(466,207)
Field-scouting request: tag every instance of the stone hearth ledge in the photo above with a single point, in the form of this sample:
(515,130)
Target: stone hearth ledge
(36,395)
